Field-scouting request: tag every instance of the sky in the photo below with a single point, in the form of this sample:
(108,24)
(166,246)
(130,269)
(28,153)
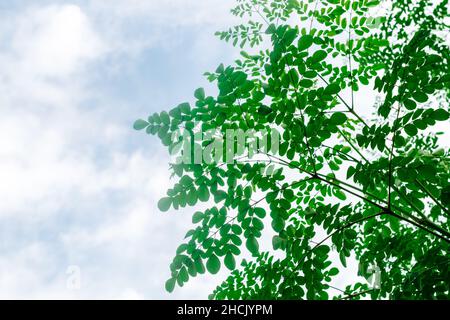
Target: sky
(79,186)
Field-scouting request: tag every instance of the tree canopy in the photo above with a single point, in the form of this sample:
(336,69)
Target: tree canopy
(367,185)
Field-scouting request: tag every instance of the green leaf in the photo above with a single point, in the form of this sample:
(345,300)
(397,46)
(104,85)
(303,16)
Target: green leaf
(420,96)
(439,115)
(289,36)
(229,261)
(260,212)
(192,197)
(339,194)
(427,171)
(373,3)
(277,242)
(305,42)
(252,245)
(199,267)
(364,80)
(350,233)
(350,172)
(203,193)
(183,275)
(399,141)
(271,29)
(278,224)
(289,194)
(322,250)
(197,217)
(185,107)
(343,259)
(219,196)
(165,119)
(338,118)
(257,224)
(332,88)
(140,124)
(318,56)
(409,104)
(175,113)
(213,264)
(333,271)
(293,76)
(170,285)
(306,83)
(410,129)
(263,110)
(220,68)
(200,94)
(164,204)
(183,247)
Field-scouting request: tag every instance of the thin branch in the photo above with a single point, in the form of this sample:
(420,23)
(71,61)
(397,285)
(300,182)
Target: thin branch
(296,268)
(350,296)
(249,207)
(349,54)
(410,219)
(323,178)
(352,193)
(432,197)
(420,226)
(390,157)
(352,145)
(298,104)
(342,153)
(349,108)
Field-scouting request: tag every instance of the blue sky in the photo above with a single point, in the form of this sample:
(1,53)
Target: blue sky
(79,186)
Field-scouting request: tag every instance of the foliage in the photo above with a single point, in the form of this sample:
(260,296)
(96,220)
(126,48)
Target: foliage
(377,188)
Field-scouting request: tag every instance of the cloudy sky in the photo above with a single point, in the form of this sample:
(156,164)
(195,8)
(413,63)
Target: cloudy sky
(79,187)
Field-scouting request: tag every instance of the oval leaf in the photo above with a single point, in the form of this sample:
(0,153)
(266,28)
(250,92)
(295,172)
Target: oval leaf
(213,264)
(170,285)
(164,204)
(203,193)
(252,245)
(140,124)
(305,42)
(318,56)
(229,261)
(338,118)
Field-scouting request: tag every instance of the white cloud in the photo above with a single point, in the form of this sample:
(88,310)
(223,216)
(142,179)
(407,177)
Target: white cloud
(170,13)
(74,190)
(39,104)
(54,41)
